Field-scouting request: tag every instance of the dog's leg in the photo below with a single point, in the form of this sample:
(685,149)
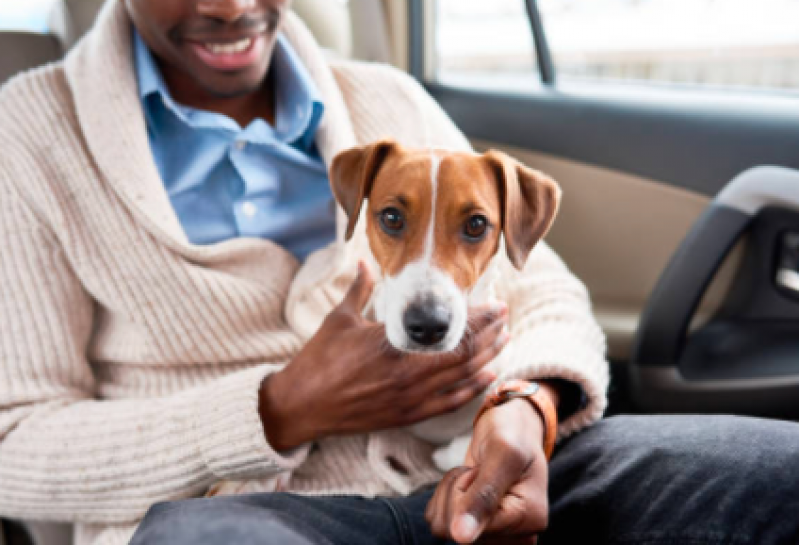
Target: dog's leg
(452,455)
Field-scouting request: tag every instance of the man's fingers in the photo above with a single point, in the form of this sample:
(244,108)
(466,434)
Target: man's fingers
(471,373)
(493,338)
(448,402)
(522,512)
(480,501)
(437,512)
(482,316)
(360,291)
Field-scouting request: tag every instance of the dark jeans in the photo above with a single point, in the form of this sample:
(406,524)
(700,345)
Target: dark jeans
(652,480)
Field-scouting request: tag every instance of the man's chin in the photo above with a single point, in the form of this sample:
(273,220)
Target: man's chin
(231,89)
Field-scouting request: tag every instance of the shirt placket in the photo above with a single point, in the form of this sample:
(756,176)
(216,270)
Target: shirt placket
(260,192)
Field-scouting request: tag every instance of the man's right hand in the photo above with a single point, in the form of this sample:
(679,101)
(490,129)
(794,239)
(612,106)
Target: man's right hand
(348,379)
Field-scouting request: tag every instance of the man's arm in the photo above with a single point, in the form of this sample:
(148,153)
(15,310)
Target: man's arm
(555,336)
(64,454)
(501,490)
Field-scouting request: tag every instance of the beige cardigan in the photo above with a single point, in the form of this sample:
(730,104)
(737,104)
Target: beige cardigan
(130,359)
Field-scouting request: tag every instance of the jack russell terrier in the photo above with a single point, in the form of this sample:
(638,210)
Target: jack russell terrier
(435,223)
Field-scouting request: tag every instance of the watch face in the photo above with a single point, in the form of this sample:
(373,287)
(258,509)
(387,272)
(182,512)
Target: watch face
(530,389)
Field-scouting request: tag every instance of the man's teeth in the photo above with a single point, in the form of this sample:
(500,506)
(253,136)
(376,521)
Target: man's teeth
(229,49)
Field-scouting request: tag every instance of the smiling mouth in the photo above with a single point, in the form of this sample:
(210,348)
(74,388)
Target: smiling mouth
(229,49)
(230,56)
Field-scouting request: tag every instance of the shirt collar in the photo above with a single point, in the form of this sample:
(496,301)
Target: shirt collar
(298,104)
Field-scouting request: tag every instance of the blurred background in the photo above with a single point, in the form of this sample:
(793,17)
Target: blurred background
(718,43)
(751,44)
(24,14)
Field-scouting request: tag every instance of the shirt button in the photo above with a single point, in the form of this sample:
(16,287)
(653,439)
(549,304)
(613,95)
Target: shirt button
(240,145)
(249,209)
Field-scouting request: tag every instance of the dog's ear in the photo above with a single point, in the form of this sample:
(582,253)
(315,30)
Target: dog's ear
(352,174)
(530,200)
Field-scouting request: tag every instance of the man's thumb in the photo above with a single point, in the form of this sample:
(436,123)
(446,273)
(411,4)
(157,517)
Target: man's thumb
(361,289)
(480,500)
(466,528)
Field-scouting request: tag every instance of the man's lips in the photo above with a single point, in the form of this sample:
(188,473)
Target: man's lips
(229,56)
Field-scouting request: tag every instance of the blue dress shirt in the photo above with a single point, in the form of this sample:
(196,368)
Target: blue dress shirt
(259,181)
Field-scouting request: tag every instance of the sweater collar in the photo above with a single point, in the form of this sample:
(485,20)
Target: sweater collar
(102,75)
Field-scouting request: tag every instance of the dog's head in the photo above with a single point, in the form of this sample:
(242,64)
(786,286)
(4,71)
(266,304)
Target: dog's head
(434,220)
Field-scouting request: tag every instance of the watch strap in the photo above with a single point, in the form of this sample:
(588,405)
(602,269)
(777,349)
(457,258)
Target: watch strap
(533,393)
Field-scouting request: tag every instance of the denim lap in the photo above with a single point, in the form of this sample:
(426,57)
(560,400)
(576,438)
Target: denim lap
(654,480)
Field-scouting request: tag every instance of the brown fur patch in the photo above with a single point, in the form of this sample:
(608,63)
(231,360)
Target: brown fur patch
(465,187)
(516,200)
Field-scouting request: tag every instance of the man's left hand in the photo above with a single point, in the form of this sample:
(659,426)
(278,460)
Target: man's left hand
(500,494)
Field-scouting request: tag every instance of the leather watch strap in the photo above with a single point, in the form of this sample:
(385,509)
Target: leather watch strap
(532,392)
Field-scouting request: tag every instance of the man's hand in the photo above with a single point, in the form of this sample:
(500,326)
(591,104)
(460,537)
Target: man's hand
(500,495)
(348,379)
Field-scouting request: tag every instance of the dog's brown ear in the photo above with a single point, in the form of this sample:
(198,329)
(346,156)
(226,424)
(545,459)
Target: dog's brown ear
(530,200)
(352,174)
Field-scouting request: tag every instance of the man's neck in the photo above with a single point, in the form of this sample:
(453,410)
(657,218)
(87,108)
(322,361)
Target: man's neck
(243,109)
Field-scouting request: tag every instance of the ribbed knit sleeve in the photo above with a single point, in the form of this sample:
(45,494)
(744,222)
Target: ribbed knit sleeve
(553,332)
(66,455)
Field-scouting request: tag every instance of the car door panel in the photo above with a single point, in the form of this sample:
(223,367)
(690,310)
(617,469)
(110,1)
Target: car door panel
(617,231)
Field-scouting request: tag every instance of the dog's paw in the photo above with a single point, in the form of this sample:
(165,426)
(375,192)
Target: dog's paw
(452,455)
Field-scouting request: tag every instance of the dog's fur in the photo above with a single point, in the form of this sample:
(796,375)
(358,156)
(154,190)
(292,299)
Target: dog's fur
(429,264)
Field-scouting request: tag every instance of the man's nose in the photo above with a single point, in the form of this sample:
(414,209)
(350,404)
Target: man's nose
(225,10)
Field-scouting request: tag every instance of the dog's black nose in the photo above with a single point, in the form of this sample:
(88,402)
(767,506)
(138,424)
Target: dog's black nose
(427,323)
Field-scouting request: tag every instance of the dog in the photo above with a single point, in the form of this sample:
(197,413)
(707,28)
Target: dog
(436,221)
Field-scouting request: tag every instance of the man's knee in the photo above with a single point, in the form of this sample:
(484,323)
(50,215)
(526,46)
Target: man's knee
(689,475)
(220,520)
(687,443)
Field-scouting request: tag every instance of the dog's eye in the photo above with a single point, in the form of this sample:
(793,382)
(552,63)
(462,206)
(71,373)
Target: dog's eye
(475,228)
(392,221)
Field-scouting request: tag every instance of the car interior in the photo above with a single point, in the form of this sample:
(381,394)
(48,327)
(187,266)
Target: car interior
(681,202)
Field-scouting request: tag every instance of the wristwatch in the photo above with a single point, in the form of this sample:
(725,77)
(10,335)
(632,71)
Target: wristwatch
(532,392)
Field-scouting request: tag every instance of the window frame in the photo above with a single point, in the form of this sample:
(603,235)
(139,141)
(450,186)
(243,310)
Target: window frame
(422,64)
(695,140)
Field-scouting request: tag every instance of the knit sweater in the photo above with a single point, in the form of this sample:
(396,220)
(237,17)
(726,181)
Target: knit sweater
(131,359)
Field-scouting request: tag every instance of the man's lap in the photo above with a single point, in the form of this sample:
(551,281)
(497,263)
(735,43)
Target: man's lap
(289,519)
(627,480)
(678,479)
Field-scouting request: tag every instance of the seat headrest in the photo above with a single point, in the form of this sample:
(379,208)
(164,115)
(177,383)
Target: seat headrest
(71,19)
(28,50)
(329,22)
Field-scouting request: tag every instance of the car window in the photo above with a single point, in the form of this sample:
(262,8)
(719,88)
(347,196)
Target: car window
(477,40)
(713,44)
(27,15)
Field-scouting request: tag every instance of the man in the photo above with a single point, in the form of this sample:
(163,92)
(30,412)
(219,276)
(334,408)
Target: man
(178,309)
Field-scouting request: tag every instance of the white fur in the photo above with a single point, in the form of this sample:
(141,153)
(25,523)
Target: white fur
(453,431)
(419,279)
(391,298)
(429,243)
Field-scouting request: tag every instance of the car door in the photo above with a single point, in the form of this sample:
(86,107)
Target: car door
(643,111)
